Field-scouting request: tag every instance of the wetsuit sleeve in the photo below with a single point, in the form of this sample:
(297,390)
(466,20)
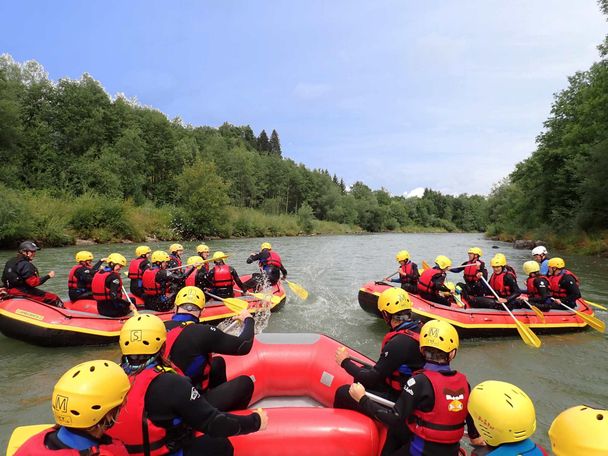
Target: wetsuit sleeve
(189,271)
(415,271)
(257,257)
(569,284)
(96,266)
(439,283)
(460,268)
(236,278)
(367,376)
(172,396)
(28,273)
(213,340)
(484,271)
(113,283)
(512,284)
(283,270)
(401,349)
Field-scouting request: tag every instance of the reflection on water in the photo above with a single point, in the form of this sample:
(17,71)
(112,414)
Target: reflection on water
(569,369)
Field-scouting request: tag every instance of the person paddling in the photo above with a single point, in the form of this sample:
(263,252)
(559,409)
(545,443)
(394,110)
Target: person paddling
(21,277)
(107,288)
(85,403)
(506,419)
(196,274)
(271,268)
(408,272)
(223,277)
(538,287)
(81,276)
(193,347)
(175,255)
(157,282)
(474,269)
(504,284)
(563,283)
(431,284)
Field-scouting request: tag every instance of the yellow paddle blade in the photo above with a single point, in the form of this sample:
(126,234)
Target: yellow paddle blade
(235,304)
(298,289)
(538,313)
(596,305)
(592,321)
(527,335)
(266,297)
(21,434)
(425,265)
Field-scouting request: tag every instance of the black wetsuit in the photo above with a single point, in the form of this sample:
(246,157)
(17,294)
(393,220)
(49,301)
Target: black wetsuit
(270,271)
(418,396)
(228,291)
(171,397)
(84,277)
(191,348)
(399,350)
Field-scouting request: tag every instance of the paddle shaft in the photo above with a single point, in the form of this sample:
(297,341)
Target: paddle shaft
(133,307)
(536,310)
(208,260)
(360,361)
(380,400)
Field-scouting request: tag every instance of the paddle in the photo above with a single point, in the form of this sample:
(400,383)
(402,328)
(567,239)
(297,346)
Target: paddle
(234,304)
(133,307)
(265,297)
(360,361)
(594,304)
(198,263)
(525,333)
(592,321)
(390,276)
(536,310)
(380,400)
(297,289)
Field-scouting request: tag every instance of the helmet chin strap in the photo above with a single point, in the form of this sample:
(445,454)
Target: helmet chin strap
(130,368)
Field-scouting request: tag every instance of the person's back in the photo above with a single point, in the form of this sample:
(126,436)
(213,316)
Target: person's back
(564,284)
(431,284)
(137,266)
(81,276)
(107,288)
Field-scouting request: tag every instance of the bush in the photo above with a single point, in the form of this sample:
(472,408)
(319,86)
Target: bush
(102,219)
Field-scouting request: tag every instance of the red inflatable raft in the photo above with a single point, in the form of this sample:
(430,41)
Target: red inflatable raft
(477,322)
(80,324)
(296,377)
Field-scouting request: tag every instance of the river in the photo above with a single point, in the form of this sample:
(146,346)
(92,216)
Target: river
(567,370)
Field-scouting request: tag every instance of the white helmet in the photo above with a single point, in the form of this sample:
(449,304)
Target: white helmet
(540,250)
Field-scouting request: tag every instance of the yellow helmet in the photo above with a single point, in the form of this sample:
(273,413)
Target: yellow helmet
(557,262)
(580,430)
(502,412)
(439,334)
(393,300)
(195,260)
(402,255)
(530,267)
(87,392)
(158,256)
(266,245)
(84,255)
(142,250)
(117,258)
(142,334)
(175,247)
(443,261)
(498,260)
(190,295)
(475,251)
(202,248)
(219,256)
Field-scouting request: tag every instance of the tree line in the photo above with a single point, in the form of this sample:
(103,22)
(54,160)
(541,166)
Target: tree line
(559,191)
(69,142)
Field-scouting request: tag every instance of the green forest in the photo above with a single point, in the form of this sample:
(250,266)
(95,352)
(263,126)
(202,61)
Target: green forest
(559,193)
(79,163)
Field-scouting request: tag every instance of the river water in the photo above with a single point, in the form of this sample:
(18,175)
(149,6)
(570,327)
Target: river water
(567,370)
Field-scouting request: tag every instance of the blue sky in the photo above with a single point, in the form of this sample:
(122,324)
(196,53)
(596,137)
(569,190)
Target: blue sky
(399,94)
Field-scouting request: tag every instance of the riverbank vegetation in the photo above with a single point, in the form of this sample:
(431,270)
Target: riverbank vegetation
(78,163)
(559,193)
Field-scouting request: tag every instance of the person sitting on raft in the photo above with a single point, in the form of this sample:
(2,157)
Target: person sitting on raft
(540,256)
(193,347)
(203,251)
(431,284)
(580,430)
(223,277)
(107,288)
(21,277)
(399,354)
(164,414)
(175,255)
(196,275)
(430,414)
(157,282)
(271,268)
(137,266)
(506,419)
(564,284)
(408,272)
(474,269)
(81,276)
(504,283)
(85,402)
(538,288)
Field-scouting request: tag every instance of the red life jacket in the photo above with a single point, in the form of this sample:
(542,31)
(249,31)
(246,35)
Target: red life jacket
(72,279)
(445,422)
(272,260)
(129,426)
(151,286)
(34,446)
(175,258)
(98,286)
(531,286)
(497,282)
(191,279)
(425,282)
(222,277)
(470,272)
(172,336)
(557,291)
(135,271)
(407,273)
(394,380)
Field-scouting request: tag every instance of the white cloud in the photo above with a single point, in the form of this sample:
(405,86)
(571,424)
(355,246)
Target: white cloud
(415,193)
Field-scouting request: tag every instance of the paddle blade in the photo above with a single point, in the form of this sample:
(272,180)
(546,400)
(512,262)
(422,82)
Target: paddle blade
(298,289)
(425,265)
(527,335)
(592,321)
(266,297)
(235,304)
(596,305)
(538,313)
